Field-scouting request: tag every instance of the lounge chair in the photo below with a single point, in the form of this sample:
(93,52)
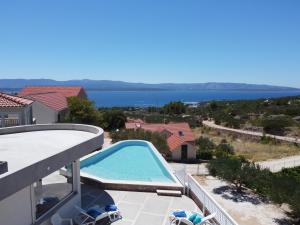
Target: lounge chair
(181,217)
(94,214)
(57,220)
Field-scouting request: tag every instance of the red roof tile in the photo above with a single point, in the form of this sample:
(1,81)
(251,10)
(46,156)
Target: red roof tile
(179,132)
(13,101)
(53,100)
(66,91)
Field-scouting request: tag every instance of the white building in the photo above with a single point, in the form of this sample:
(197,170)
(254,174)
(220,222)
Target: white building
(33,188)
(15,110)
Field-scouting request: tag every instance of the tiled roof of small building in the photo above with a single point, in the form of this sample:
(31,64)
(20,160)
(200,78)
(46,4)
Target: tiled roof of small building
(179,132)
(53,100)
(7,100)
(67,91)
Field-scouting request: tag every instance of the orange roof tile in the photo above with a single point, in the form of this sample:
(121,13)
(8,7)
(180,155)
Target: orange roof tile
(53,100)
(179,132)
(13,101)
(66,91)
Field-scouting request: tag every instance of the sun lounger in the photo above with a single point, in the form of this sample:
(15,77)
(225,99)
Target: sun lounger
(181,217)
(94,214)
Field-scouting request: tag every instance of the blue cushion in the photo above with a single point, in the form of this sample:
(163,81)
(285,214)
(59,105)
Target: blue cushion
(110,208)
(179,214)
(197,220)
(192,217)
(93,213)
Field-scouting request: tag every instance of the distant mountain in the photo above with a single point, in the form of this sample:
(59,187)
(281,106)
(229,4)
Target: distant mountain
(16,84)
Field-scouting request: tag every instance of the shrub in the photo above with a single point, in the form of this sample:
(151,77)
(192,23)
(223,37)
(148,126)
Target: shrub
(224,150)
(282,187)
(113,119)
(277,125)
(205,148)
(154,137)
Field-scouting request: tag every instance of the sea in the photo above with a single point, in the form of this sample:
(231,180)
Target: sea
(160,98)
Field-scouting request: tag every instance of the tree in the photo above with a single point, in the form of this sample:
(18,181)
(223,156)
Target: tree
(154,137)
(82,110)
(205,148)
(224,150)
(174,108)
(276,126)
(229,169)
(113,119)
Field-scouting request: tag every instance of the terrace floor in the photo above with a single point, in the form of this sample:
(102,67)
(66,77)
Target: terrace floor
(137,208)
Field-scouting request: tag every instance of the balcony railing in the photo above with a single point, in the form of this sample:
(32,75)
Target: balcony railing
(207,203)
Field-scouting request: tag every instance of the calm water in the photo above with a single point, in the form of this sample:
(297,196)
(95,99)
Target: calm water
(129,160)
(159,98)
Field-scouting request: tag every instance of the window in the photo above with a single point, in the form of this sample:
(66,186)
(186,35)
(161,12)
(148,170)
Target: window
(52,189)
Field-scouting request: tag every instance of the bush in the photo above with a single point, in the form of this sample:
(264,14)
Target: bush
(154,137)
(205,148)
(282,187)
(82,111)
(277,125)
(174,108)
(224,150)
(113,119)
(206,155)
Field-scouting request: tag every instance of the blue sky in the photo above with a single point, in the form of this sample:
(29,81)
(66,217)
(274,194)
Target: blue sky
(252,41)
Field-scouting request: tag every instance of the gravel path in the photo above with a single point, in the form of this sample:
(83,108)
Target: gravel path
(276,165)
(253,133)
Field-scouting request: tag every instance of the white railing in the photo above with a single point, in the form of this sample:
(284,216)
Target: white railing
(208,203)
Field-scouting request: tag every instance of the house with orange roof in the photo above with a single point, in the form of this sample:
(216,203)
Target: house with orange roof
(180,138)
(15,111)
(50,102)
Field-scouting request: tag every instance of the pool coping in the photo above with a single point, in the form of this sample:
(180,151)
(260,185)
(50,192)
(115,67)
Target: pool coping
(133,185)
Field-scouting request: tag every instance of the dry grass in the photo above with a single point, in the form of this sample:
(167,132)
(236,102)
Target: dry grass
(252,150)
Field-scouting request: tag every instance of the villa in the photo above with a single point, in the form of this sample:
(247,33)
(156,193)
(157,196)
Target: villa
(33,188)
(180,138)
(51,173)
(50,102)
(15,110)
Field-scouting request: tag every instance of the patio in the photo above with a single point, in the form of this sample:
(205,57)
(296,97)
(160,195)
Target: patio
(137,207)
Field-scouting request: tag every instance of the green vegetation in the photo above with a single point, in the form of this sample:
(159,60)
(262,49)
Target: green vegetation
(174,108)
(113,119)
(253,150)
(83,111)
(280,188)
(154,137)
(205,148)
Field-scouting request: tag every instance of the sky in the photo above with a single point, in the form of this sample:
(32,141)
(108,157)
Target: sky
(152,41)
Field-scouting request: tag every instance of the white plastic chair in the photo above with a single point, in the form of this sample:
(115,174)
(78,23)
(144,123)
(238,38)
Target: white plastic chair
(57,220)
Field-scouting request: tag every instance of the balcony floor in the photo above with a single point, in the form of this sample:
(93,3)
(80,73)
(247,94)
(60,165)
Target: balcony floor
(137,208)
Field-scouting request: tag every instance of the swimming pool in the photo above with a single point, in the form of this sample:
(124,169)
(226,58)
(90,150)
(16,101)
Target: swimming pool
(132,160)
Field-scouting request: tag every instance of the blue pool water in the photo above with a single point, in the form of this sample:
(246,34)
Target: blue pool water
(129,161)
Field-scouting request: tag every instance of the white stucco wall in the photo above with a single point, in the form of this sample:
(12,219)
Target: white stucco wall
(43,114)
(16,209)
(176,154)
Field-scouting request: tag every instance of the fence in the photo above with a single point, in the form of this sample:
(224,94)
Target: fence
(206,201)
(11,122)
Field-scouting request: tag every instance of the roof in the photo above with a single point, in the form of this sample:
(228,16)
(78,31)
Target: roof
(180,133)
(53,100)
(35,151)
(13,101)
(67,91)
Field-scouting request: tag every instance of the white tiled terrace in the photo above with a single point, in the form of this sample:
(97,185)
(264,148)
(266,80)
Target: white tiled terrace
(137,208)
